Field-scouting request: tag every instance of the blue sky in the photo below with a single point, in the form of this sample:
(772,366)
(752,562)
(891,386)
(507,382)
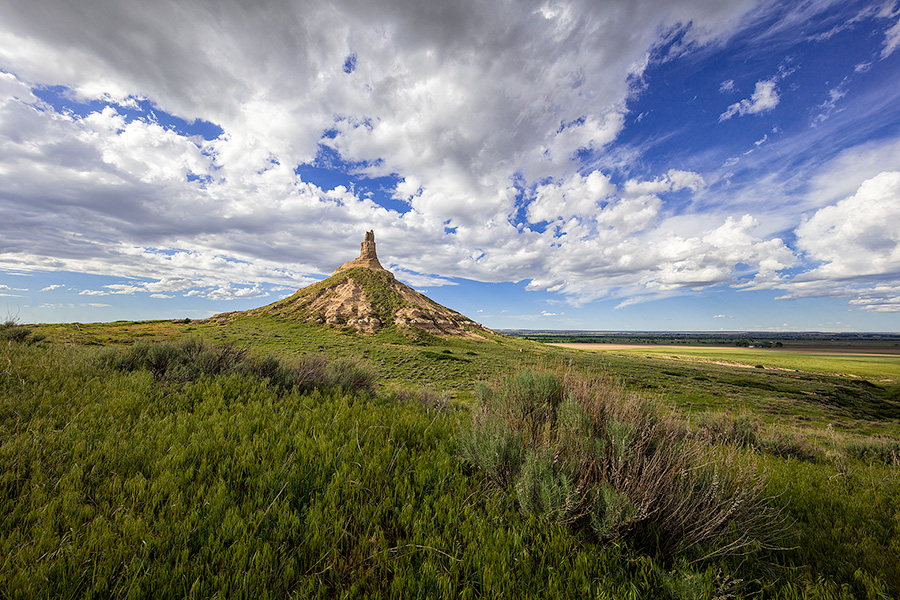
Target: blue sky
(625,165)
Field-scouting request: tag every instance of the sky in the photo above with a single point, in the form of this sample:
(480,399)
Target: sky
(594,165)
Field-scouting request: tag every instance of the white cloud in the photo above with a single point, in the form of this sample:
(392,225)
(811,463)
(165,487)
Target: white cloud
(765,97)
(577,196)
(110,195)
(853,249)
(50,288)
(229,292)
(419,281)
(891,40)
(727,86)
(858,236)
(673,181)
(826,108)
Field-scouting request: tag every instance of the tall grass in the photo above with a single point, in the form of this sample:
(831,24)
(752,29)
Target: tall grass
(116,483)
(190,359)
(587,454)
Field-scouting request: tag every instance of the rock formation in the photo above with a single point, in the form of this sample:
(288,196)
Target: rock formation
(367,257)
(364,296)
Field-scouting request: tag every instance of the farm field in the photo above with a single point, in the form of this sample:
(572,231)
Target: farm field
(881,363)
(256,469)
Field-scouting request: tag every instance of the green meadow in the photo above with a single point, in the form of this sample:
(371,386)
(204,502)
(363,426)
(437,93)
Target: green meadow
(266,458)
(877,367)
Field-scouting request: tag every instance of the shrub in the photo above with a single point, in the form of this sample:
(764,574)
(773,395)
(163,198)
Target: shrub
(430,399)
(788,445)
(189,360)
(722,429)
(493,446)
(588,455)
(879,448)
(10,330)
(348,375)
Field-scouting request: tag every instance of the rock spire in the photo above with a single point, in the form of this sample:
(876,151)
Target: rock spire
(367,257)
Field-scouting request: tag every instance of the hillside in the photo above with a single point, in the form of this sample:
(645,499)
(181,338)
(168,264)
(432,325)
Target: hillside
(364,296)
(192,468)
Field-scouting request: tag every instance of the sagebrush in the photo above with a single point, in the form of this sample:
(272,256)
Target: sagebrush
(608,463)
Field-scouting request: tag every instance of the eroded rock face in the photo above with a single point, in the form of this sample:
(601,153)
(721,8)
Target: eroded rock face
(367,301)
(367,256)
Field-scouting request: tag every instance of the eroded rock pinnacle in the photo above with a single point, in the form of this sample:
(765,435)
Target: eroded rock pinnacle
(367,257)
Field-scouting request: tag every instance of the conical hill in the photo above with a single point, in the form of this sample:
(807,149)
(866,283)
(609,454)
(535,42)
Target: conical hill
(364,296)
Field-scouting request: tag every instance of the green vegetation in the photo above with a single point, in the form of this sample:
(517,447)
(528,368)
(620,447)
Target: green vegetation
(375,284)
(269,458)
(859,342)
(882,367)
(590,456)
(191,359)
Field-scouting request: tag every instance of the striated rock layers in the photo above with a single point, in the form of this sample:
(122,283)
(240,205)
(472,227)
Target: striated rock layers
(363,295)
(367,257)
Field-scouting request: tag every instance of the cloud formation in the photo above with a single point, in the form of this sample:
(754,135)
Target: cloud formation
(482,113)
(858,236)
(765,97)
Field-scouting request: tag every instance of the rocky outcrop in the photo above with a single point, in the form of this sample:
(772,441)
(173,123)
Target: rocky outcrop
(364,296)
(367,257)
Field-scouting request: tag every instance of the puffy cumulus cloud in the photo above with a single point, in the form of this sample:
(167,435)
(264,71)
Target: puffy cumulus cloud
(673,181)
(143,150)
(576,196)
(230,292)
(858,236)
(854,249)
(765,97)
(628,215)
(715,257)
(466,103)
(649,263)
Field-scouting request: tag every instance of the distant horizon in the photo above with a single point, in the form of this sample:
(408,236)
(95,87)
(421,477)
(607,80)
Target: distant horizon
(889,334)
(665,165)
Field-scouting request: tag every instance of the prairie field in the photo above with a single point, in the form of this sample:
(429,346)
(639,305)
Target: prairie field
(881,363)
(271,458)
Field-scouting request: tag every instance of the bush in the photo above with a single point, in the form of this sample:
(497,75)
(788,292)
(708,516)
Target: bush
(787,445)
(722,429)
(586,454)
(348,375)
(430,399)
(11,331)
(189,360)
(886,450)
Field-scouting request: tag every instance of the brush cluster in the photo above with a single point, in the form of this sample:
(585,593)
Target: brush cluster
(607,463)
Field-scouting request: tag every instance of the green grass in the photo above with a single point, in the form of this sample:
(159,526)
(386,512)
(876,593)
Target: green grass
(116,486)
(120,483)
(878,368)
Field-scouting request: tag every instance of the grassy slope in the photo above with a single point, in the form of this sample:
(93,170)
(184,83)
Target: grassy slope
(847,512)
(382,292)
(115,486)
